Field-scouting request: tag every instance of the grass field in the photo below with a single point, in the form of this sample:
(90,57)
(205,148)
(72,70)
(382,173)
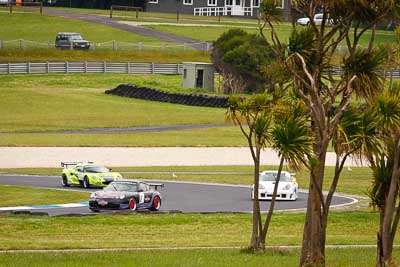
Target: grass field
(43,29)
(284,29)
(24,196)
(30,103)
(55,102)
(355,182)
(195,258)
(174,230)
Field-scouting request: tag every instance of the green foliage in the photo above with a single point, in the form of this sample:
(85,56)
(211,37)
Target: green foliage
(242,56)
(365,65)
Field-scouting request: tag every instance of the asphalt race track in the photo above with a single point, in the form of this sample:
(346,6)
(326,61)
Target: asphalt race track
(177,196)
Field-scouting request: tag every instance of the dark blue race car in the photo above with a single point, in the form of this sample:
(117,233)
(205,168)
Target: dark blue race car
(127,194)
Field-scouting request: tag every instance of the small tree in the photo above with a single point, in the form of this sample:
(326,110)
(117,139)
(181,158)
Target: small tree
(289,136)
(240,58)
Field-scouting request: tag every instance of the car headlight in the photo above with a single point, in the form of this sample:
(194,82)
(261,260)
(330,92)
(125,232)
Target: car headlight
(122,197)
(286,187)
(260,186)
(93,195)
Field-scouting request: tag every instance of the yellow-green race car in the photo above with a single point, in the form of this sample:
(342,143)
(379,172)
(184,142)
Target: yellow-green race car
(87,174)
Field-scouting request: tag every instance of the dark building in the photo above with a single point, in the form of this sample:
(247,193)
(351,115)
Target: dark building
(242,8)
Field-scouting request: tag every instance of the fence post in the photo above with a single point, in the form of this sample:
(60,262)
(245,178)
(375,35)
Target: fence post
(66,67)
(1,44)
(48,44)
(29,67)
(140,46)
(9,68)
(104,67)
(85,66)
(11,8)
(128,68)
(184,47)
(41,7)
(152,67)
(137,13)
(111,11)
(177,15)
(177,68)
(47,67)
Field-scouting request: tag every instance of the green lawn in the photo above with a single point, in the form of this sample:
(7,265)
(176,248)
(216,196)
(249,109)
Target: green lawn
(284,29)
(24,196)
(160,17)
(195,258)
(174,230)
(355,182)
(54,102)
(44,28)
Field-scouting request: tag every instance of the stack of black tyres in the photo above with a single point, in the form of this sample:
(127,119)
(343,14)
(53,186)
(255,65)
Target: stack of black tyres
(201,100)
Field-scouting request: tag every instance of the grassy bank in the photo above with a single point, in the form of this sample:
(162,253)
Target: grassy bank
(173,230)
(12,196)
(195,258)
(55,102)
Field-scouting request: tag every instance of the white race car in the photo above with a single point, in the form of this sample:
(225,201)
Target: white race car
(317,20)
(287,188)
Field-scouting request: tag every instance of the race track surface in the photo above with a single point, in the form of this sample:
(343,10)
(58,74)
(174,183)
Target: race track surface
(177,196)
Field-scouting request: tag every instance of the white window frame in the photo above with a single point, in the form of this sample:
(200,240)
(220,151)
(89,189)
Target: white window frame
(209,3)
(188,2)
(283,4)
(153,1)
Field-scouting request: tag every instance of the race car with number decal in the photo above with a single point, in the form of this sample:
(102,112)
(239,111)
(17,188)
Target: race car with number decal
(127,194)
(87,174)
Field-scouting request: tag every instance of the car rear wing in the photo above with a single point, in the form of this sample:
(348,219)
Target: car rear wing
(156,185)
(67,164)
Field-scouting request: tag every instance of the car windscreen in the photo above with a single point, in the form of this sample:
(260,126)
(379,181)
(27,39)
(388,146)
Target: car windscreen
(271,177)
(76,37)
(130,187)
(96,169)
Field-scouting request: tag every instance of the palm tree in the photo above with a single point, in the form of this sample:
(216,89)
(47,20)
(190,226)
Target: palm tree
(253,116)
(376,137)
(291,138)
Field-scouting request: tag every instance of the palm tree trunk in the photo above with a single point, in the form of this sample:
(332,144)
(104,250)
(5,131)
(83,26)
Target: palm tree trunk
(272,205)
(313,246)
(255,235)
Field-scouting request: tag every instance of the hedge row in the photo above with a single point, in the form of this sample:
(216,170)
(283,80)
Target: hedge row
(146,93)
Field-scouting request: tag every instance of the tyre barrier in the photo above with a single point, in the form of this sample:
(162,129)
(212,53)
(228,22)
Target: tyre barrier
(201,100)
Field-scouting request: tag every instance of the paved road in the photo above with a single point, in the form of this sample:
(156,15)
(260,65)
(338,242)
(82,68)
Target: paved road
(178,196)
(98,19)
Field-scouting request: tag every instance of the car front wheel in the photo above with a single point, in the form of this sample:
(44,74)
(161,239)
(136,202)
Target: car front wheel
(86,183)
(64,180)
(156,203)
(132,204)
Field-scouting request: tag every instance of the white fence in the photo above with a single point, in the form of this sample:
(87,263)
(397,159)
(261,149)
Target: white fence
(90,67)
(113,45)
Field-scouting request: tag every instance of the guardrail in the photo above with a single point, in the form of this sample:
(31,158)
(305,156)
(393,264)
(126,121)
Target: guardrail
(113,45)
(90,67)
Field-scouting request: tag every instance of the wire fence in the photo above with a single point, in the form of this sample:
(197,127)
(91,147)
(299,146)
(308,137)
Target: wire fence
(90,67)
(113,45)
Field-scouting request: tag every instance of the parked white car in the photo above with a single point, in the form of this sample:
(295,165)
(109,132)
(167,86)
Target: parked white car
(287,188)
(317,20)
